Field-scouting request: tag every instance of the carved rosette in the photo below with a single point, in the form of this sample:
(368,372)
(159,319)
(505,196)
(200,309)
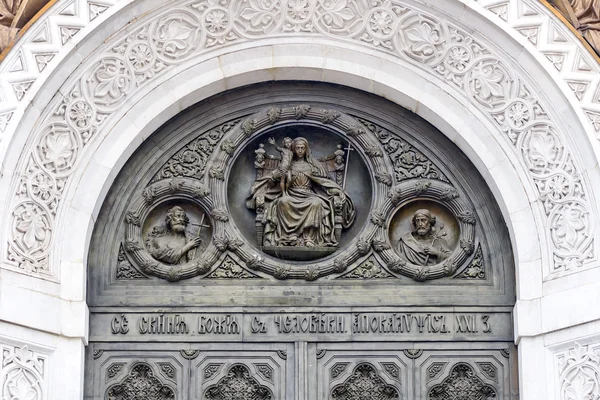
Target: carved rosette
(187,191)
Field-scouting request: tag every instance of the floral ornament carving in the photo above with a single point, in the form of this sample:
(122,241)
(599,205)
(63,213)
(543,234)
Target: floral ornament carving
(238,384)
(489,370)
(24,373)
(392,369)
(211,369)
(265,371)
(409,163)
(229,269)
(364,379)
(463,384)
(369,269)
(191,161)
(435,369)
(125,270)
(160,41)
(579,373)
(168,369)
(338,369)
(140,383)
(476,268)
(114,370)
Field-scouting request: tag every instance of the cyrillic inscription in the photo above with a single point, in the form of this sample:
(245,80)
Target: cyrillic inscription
(338,326)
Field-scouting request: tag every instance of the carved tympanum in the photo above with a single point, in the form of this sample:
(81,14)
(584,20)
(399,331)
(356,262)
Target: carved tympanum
(462,384)
(424,245)
(301,210)
(140,384)
(364,381)
(238,384)
(169,243)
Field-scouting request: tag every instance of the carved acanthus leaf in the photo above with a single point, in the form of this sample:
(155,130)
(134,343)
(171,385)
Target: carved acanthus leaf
(340,264)
(249,127)
(328,116)
(355,130)
(301,111)
(220,214)
(274,114)
(229,269)
(384,178)
(380,245)
(125,270)
(409,163)
(133,218)
(369,269)
(421,187)
(373,151)
(216,173)
(363,245)
(395,195)
(476,268)
(467,217)
(191,160)
(377,218)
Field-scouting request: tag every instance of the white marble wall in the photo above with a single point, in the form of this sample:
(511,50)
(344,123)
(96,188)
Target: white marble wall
(546,184)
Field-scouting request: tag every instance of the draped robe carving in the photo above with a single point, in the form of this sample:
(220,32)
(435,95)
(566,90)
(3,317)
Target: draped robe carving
(302,212)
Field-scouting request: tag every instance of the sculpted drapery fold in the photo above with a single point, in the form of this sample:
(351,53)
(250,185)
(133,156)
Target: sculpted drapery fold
(301,212)
(584,15)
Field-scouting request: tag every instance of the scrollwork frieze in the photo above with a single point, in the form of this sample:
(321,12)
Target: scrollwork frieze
(161,41)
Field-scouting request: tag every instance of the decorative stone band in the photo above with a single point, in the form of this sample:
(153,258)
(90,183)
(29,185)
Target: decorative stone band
(177,188)
(479,73)
(447,196)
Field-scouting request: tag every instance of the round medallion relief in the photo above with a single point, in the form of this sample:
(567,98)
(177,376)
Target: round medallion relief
(168,232)
(424,232)
(299,192)
(176,232)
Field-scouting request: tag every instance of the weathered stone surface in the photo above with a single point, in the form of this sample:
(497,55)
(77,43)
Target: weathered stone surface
(250,247)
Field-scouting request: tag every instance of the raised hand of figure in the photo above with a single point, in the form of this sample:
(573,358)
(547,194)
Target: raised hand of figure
(271,141)
(337,193)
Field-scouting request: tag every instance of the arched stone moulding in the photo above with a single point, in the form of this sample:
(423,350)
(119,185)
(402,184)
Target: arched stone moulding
(533,136)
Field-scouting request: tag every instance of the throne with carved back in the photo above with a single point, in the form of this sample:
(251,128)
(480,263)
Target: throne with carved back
(335,165)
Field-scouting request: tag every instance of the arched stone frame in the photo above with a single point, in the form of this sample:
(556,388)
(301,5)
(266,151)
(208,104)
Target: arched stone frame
(351,66)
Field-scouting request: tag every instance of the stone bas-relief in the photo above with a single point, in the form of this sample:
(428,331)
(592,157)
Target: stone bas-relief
(318,184)
(223,315)
(169,243)
(70,122)
(423,245)
(302,210)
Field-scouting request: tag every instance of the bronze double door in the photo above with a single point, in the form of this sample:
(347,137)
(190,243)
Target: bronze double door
(301,370)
